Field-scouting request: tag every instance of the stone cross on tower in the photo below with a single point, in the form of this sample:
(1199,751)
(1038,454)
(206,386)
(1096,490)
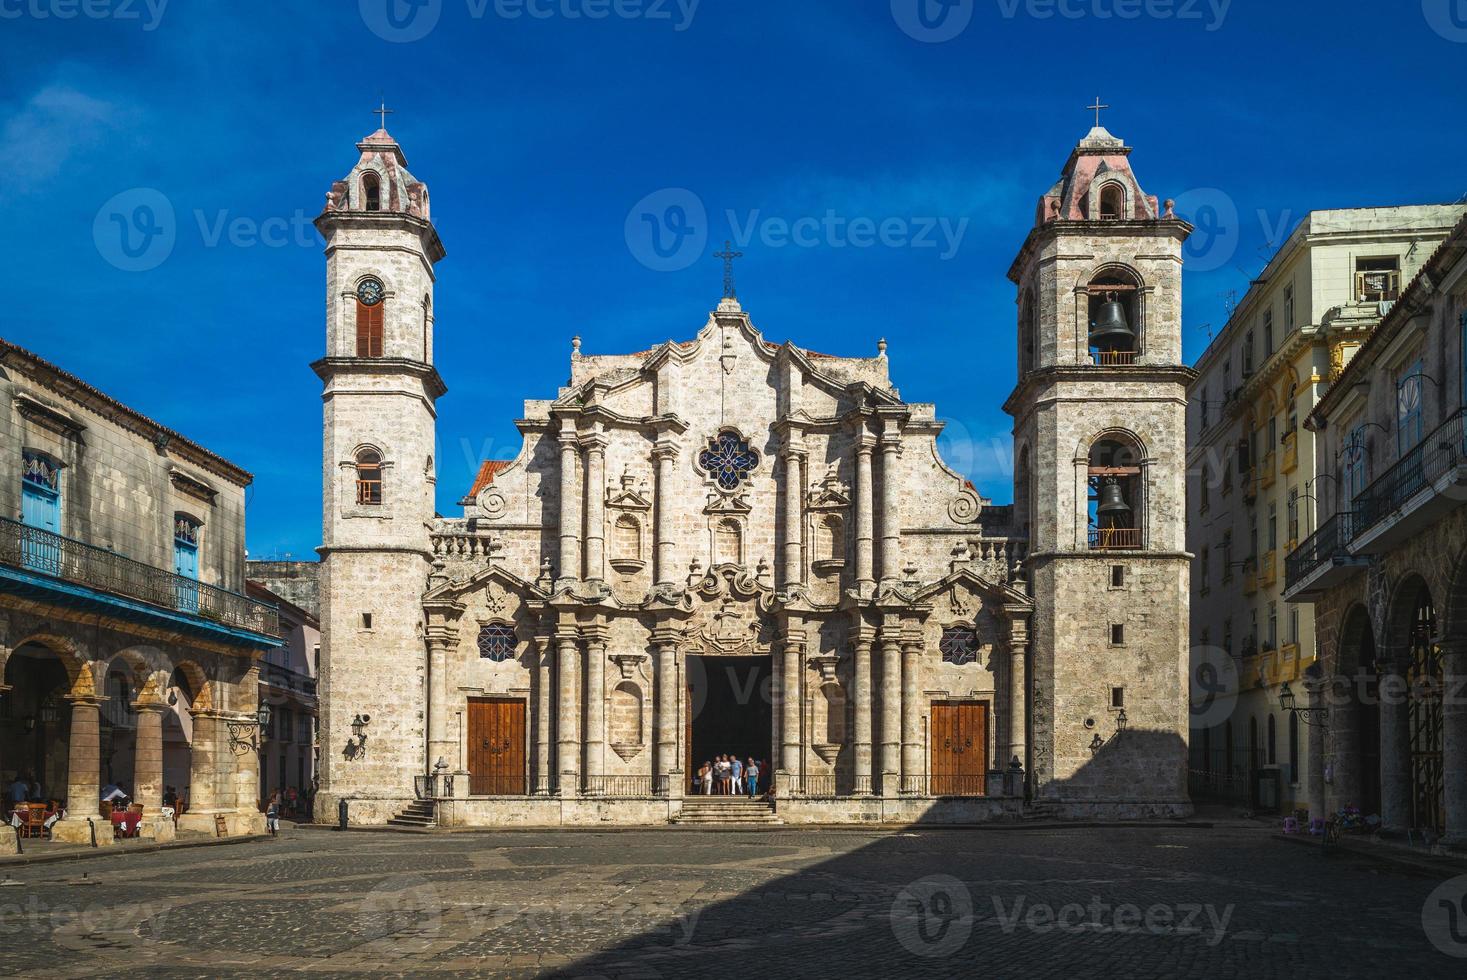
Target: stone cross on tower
(384,112)
(1097,107)
(728,255)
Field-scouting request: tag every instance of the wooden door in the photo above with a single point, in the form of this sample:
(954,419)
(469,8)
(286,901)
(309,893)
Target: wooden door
(959,748)
(496,747)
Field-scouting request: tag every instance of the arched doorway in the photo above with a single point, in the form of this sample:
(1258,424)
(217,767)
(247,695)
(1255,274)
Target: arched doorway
(1425,681)
(1354,728)
(36,726)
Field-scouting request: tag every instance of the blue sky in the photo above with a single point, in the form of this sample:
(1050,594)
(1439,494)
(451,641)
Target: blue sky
(540,128)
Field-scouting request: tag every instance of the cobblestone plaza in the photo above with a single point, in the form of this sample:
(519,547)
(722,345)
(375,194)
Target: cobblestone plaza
(1183,901)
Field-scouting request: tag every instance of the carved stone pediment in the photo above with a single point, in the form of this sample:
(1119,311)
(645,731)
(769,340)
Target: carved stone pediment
(830,493)
(727,503)
(627,494)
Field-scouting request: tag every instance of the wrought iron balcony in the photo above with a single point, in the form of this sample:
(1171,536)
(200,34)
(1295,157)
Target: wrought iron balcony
(1326,545)
(1115,539)
(32,549)
(1442,452)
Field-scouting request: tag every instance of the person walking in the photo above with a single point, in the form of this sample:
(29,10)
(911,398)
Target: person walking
(736,773)
(707,778)
(751,777)
(272,813)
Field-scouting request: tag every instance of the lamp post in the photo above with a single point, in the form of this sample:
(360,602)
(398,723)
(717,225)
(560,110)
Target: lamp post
(1309,716)
(246,735)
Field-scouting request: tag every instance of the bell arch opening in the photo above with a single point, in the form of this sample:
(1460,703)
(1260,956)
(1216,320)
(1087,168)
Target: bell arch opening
(1114,314)
(1116,501)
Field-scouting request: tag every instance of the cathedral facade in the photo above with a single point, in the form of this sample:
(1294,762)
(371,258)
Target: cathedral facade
(724,545)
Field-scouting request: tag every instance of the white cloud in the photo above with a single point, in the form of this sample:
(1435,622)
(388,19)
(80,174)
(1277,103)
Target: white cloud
(58,120)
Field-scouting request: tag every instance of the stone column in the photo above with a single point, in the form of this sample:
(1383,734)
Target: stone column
(543,682)
(83,775)
(147,760)
(1395,753)
(891,504)
(861,695)
(792,668)
(891,712)
(241,765)
(1343,745)
(1314,777)
(568,742)
(912,713)
(595,736)
(442,640)
(665,453)
(1018,725)
(792,513)
(1454,742)
(664,733)
(570,511)
(865,506)
(595,498)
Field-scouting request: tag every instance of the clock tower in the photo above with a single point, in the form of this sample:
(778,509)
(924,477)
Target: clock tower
(378,472)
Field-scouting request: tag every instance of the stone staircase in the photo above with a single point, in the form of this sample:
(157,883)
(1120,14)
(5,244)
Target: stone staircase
(726,811)
(419,815)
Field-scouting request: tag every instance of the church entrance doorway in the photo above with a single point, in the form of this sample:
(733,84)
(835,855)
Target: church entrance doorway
(959,748)
(496,747)
(729,712)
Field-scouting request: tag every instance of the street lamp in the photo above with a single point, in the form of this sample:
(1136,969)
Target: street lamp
(358,741)
(1289,703)
(247,735)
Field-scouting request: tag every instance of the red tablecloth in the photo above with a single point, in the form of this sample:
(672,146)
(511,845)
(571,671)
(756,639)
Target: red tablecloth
(128,821)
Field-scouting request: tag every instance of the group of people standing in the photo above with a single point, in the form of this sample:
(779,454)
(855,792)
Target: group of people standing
(726,775)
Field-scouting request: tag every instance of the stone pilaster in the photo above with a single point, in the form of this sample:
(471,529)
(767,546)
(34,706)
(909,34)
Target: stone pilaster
(570,509)
(241,765)
(890,763)
(861,695)
(865,506)
(665,453)
(595,735)
(147,759)
(595,498)
(913,712)
(1343,741)
(1395,753)
(83,775)
(1314,786)
(544,681)
(664,643)
(442,643)
(1018,691)
(1454,742)
(792,510)
(568,743)
(891,502)
(791,670)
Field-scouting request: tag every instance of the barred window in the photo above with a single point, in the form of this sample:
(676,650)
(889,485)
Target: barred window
(959,645)
(729,460)
(496,642)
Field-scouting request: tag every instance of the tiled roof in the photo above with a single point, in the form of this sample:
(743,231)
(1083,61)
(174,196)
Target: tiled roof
(488,470)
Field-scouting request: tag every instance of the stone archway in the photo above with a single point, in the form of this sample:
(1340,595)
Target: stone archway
(1354,720)
(1411,733)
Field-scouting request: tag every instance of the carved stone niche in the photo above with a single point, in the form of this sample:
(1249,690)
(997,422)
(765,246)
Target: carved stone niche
(828,505)
(827,751)
(628,509)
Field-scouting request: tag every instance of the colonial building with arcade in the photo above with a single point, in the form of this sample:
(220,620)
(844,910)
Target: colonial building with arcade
(728,545)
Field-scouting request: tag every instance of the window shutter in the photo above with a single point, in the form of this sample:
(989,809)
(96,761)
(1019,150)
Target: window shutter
(369,329)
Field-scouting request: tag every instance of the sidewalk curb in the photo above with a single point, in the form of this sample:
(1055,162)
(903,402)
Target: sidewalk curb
(686,828)
(1425,865)
(22,860)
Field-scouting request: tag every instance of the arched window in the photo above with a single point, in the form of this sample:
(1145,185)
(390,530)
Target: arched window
(371,191)
(628,538)
(1027,339)
(496,642)
(1117,495)
(369,478)
(959,645)
(370,307)
(728,542)
(1114,310)
(1272,743)
(1112,202)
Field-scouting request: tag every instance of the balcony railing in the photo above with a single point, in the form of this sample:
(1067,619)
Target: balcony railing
(1322,546)
(1443,449)
(48,553)
(1290,461)
(1268,571)
(623,786)
(1112,358)
(1115,538)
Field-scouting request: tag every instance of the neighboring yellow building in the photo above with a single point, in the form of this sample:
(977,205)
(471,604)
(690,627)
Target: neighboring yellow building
(1251,492)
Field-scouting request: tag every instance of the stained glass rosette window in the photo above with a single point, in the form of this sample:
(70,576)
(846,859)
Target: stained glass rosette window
(959,645)
(728,460)
(496,642)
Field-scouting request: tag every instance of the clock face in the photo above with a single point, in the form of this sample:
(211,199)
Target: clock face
(370,292)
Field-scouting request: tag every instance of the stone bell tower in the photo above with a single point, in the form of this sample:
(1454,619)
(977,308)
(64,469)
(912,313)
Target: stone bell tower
(378,479)
(1099,441)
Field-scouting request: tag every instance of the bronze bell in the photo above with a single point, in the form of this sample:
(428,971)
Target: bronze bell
(1110,332)
(1112,501)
